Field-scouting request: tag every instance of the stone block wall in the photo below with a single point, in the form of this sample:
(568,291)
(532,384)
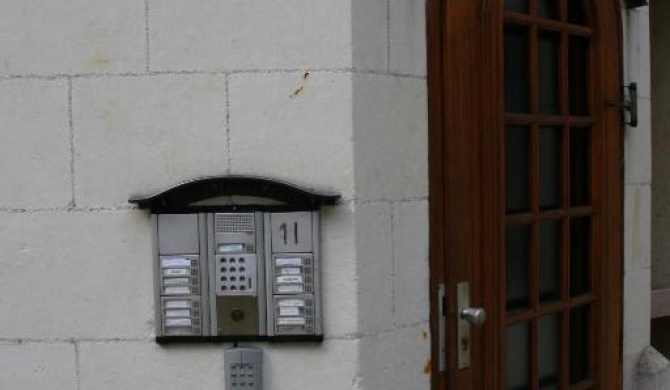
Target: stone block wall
(391,164)
(103,100)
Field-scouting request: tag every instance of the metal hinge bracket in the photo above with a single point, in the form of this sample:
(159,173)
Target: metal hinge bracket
(629,104)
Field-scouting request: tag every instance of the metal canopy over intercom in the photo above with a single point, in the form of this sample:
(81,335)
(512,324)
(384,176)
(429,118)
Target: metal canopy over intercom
(237,258)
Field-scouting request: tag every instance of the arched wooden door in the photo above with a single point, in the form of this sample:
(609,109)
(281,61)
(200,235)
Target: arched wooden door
(525,193)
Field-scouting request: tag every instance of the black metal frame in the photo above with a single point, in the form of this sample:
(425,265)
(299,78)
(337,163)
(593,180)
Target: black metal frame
(180,198)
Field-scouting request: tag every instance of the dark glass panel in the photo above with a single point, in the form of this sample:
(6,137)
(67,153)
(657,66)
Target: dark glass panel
(516,168)
(548,48)
(550,167)
(547,9)
(516,6)
(518,245)
(549,351)
(517,95)
(517,362)
(578,80)
(580,341)
(577,12)
(580,255)
(580,166)
(550,260)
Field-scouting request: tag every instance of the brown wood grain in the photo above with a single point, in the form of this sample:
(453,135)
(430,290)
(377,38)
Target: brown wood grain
(467,186)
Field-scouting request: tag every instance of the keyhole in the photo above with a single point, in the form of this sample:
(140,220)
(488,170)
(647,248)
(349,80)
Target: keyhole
(465,343)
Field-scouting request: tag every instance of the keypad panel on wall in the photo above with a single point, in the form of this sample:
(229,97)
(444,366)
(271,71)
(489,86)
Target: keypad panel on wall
(230,275)
(236,274)
(244,368)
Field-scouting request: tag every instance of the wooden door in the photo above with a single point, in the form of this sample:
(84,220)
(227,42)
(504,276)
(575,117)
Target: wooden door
(526,192)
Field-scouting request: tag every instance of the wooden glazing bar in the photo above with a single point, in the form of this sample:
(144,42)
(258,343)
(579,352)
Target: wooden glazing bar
(581,300)
(564,80)
(547,24)
(527,218)
(563,10)
(533,71)
(583,385)
(548,120)
(548,308)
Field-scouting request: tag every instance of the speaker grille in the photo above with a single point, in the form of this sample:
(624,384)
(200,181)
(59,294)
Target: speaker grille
(234,223)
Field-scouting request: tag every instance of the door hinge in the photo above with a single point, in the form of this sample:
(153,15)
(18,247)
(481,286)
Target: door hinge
(629,95)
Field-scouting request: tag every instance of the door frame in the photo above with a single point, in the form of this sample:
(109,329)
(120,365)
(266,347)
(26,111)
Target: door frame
(464,48)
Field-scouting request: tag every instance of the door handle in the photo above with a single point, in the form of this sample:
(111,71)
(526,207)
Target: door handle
(474,315)
(466,318)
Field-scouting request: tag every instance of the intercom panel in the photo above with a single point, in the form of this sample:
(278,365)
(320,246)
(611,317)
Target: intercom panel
(236,299)
(293,280)
(230,274)
(237,258)
(244,368)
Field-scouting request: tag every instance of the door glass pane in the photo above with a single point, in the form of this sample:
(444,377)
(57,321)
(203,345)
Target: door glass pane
(550,260)
(547,9)
(516,6)
(518,241)
(580,259)
(578,59)
(580,157)
(550,167)
(576,12)
(548,48)
(549,352)
(516,156)
(517,360)
(579,344)
(517,96)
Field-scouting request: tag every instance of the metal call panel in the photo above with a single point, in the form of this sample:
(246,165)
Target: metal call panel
(237,299)
(230,274)
(293,278)
(180,278)
(244,368)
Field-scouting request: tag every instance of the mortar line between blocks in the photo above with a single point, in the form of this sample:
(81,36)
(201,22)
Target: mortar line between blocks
(180,72)
(388,36)
(372,201)
(393,262)
(227,97)
(147,37)
(77,341)
(68,209)
(77,361)
(70,110)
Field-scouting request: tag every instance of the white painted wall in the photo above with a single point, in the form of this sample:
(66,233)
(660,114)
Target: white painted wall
(637,198)
(102,100)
